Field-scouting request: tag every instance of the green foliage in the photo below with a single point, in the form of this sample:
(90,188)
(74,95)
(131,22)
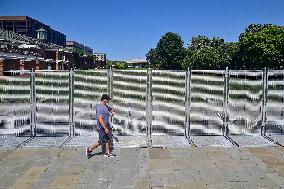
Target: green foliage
(259,46)
(206,53)
(79,52)
(82,61)
(262,46)
(168,54)
(117,64)
(152,58)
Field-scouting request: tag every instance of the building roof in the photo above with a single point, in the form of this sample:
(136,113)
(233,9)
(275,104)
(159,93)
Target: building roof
(15,38)
(25,46)
(41,30)
(17,56)
(137,61)
(13,17)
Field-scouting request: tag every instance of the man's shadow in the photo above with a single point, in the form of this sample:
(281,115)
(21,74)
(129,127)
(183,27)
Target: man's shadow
(95,154)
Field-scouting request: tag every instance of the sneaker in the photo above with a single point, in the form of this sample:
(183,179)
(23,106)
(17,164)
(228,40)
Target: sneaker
(109,155)
(88,152)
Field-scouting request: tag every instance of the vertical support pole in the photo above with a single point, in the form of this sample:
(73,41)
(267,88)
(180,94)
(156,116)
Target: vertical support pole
(71,104)
(33,104)
(109,82)
(226,102)
(14,97)
(187,103)
(109,91)
(264,101)
(149,108)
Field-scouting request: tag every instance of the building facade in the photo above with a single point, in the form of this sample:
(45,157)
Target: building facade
(28,26)
(137,63)
(75,45)
(100,61)
(19,52)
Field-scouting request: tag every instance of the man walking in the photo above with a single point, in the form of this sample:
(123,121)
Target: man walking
(103,113)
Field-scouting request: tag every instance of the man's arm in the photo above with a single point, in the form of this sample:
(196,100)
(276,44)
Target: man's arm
(102,123)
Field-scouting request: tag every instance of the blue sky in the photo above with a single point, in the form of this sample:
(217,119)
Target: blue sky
(126,29)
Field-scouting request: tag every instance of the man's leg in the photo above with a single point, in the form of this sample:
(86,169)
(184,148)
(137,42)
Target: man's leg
(97,144)
(109,137)
(94,146)
(107,146)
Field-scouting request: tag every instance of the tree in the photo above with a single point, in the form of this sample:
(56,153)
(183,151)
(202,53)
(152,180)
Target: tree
(262,46)
(152,58)
(116,64)
(206,53)
(169,52)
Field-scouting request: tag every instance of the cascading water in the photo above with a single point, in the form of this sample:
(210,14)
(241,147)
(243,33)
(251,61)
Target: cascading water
(168,102)
(52,102)
(206,107)
(15,103)
(245,102)
(129,100)
(275,102)
(88,87)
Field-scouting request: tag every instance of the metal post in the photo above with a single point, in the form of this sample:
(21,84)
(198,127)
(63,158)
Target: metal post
(109,90)
(71,104)
(187,103)
(149,108)
(225,103)
(264,102)
(109,82)
(14,97)
(33,104)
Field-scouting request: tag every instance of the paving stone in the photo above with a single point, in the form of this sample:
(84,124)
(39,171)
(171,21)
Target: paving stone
(162,179)
(46,141)
(163,165)
(252,141)
(189,175)
(12,141)
(159,153)
(277,151)
(170,141)
(278,138)
(28,178)
(124,178)
(143,183)
(192,185)
(276,178)
(201,167)
(265,182)
(129,152)
(180,152)
(211,141)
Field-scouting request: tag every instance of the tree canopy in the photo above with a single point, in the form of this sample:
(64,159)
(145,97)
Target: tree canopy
(168,54)
(116,64)
(258,46)
(206,53)
(262,46)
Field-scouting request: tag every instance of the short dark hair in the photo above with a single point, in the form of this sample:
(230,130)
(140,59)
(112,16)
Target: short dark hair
(105,96)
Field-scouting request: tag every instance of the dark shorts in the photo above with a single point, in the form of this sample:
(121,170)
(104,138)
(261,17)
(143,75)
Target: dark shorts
(103,136)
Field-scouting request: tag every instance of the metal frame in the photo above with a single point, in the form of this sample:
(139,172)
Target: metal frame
(149,108)
(110,89)
(33,103)
(71,104)
(226,102)
(264,102)
(149,98)
(187,103)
